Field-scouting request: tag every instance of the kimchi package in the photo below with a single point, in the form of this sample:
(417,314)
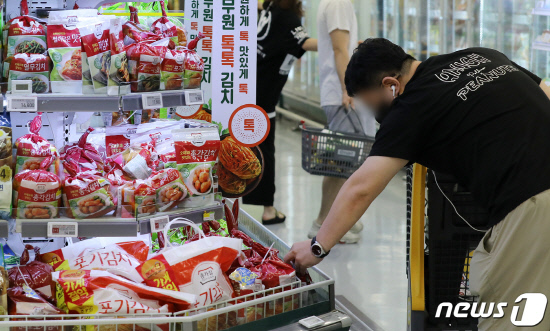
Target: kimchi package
(194,65)
(165,28)
(119,77)
(137,199)
(35,274)
(64,48)
(24,34)
(100,292)
(33,149)
(95,40)
(82,156)
(172,70)
(33,67)
(197,267)
(88,195)
(196,154)
(36,194)
(117,138)
(144,64)
(169,188)
(23,300)
(133,31)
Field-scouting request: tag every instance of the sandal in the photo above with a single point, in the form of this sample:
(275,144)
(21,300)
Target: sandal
(276,220)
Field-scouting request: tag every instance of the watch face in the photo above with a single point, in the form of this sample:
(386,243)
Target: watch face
(316,250)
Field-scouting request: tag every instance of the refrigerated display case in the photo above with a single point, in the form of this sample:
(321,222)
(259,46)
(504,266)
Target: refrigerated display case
(540,50)
(437,21)
(413,40)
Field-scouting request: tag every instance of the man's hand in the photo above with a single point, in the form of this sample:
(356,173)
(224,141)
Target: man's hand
(347,101)
(300,254)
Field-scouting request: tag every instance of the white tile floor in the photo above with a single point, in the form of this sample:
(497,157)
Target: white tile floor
(370,274)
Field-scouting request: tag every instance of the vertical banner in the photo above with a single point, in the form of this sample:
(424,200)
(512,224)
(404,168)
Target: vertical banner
(199,17)
(234,52)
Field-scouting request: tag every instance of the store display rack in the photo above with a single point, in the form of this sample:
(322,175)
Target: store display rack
(51,102)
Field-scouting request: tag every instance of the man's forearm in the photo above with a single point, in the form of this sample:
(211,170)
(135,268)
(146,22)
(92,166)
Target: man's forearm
(341,58)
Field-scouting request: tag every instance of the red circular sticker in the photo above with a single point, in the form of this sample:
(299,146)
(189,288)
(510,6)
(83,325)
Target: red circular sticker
(249,125)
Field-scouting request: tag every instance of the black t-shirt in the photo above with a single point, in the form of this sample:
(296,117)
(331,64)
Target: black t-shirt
(480,117)
(280,40)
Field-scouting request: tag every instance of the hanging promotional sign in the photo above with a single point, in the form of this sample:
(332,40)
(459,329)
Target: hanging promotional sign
(234,68)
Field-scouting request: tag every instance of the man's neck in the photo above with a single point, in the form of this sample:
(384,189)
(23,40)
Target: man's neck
(404,79)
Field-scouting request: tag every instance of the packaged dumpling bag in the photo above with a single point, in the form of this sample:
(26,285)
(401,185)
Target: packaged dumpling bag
(197,267)
(64,48)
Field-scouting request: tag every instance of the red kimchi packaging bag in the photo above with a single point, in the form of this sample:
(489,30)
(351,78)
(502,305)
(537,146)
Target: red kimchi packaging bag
(36,194)
(65,49)
(194,65)
(198,267)
(24,34)
(169,188)
(172,70)
(100,292)
(137,199)
(81,156)
(35,274)
(133,31)
(33,67)
(33,149)
(144,64)
(117,138)
(120,259)
(23,300)
(119,78)
(88,195)
(96,43)
(163,27)
(196,155)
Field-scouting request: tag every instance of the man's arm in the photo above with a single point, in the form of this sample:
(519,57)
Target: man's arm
(340,45)
(352,201)
(545,88)
(310,45)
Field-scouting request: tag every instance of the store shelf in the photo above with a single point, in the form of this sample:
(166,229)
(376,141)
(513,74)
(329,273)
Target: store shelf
(193,214)
(107,227)
(541,46)
(97,102)
(541,11)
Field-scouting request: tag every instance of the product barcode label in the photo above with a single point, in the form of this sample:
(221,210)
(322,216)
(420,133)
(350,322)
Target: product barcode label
(22,103)
(194,97)
(158,223)
(62,229)
(151,100)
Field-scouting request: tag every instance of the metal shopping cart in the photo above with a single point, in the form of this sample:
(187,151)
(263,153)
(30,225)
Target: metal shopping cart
(279,308)
(439,248)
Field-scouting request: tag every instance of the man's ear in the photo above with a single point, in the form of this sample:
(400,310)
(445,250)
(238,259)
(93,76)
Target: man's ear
(390,81)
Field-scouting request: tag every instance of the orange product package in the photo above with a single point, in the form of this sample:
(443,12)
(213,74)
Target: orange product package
(88,195)
(197,267)
(137,198)
(169,188)
(100,292)
(33,149)
(36,194)
(120,259)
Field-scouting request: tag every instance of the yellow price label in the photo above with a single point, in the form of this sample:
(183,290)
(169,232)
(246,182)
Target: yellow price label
(5,173)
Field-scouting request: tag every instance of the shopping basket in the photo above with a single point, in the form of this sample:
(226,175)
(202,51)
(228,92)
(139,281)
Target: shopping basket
(439,248)
(264,310)
(333,154)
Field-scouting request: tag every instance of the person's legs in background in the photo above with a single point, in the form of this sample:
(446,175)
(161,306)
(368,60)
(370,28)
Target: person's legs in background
(264,194)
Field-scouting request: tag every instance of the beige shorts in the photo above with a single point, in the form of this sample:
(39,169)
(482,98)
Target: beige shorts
(513,258)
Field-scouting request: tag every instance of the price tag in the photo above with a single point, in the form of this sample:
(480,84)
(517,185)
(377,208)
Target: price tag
(194,97)
(62,229)
(208,216)
(21,86)
(151,100)
(158,223)
(22,103)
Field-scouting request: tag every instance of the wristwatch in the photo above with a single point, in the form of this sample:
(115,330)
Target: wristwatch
(317,250)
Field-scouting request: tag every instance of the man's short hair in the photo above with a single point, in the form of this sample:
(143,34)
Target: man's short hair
(373,60)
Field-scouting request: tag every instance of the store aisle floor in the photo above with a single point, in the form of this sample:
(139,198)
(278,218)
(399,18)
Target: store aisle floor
(370,274)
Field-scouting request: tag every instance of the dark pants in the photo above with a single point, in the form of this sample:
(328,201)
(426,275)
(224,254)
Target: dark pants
(264,193)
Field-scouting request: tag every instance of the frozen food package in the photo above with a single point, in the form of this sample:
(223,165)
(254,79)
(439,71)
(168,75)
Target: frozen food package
(169,188)
(33,149)
(65,49)
(119,78)
(95,40)
(120,259)
(33,67)
(36,194)
(144,64)
(194,65)
(197,267)
(100,292)
(196,154)
(172,70)
(88,195)
(24,34)
(23,300)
